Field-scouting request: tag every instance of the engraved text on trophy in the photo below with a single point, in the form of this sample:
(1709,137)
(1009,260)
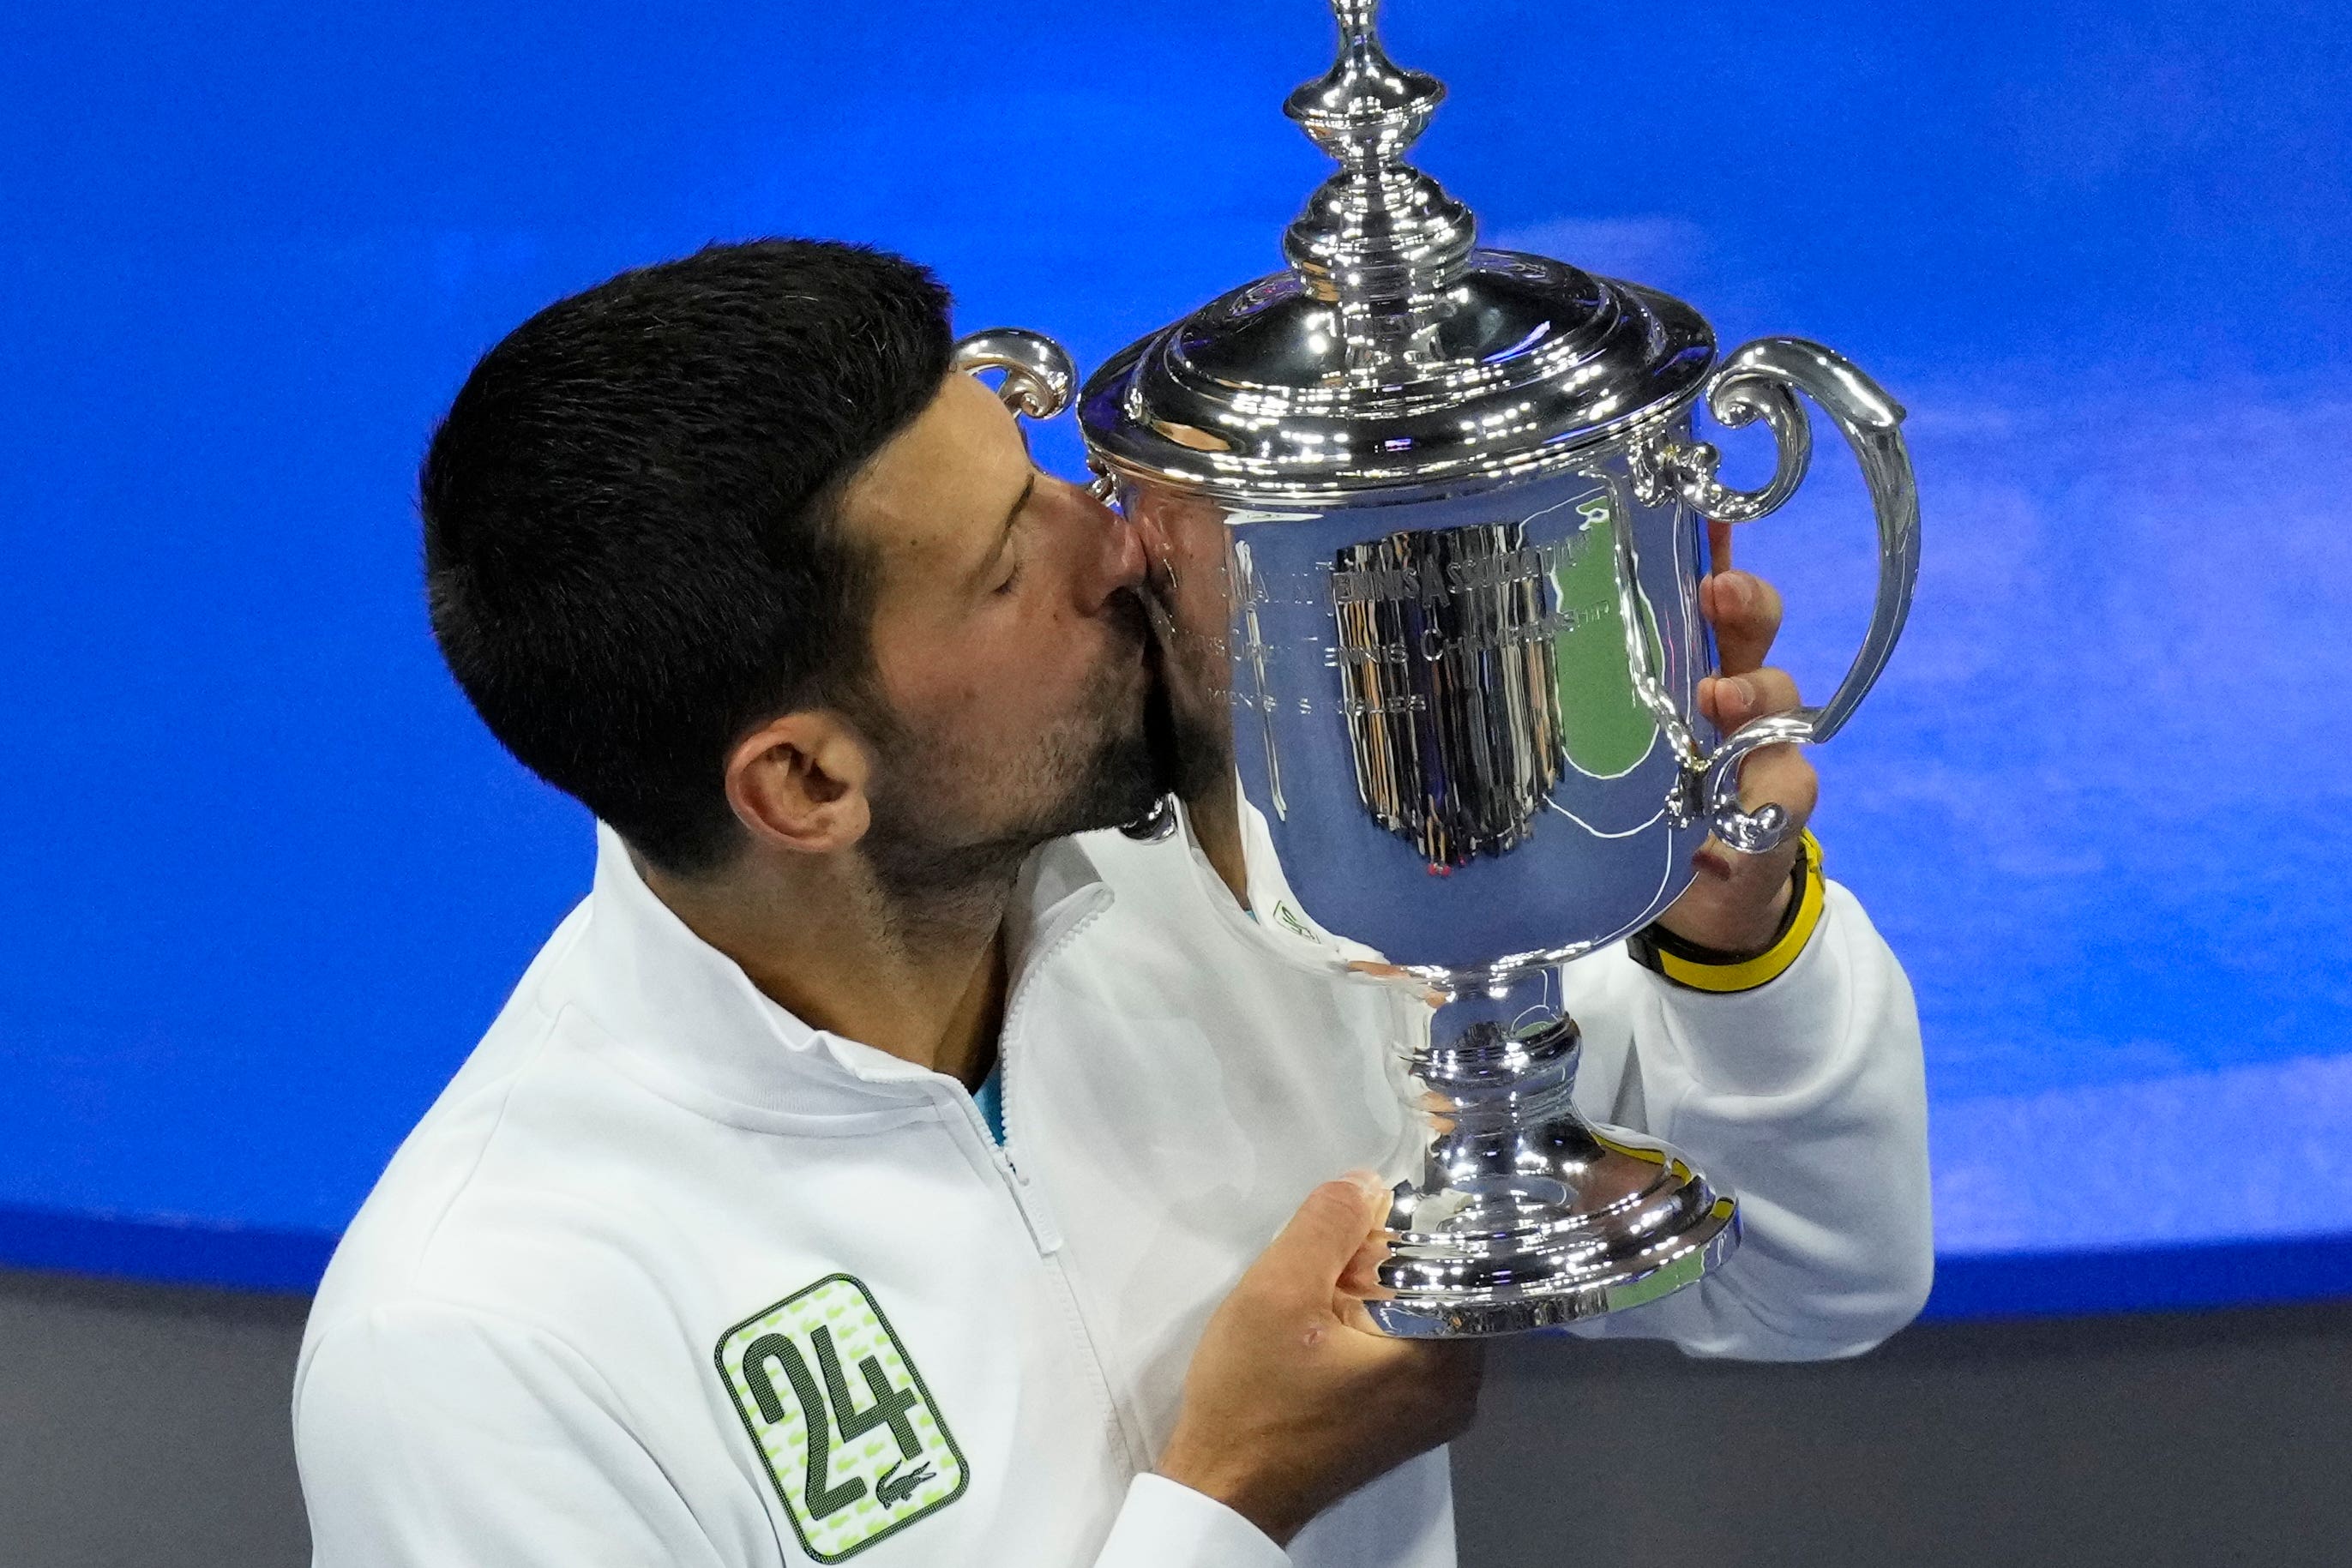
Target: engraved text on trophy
(1474,664)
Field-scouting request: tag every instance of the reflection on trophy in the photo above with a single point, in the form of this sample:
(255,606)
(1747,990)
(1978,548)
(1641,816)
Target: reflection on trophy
(1438,516)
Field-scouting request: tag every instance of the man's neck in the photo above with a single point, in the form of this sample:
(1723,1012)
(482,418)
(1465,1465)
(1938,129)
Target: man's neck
(832,952)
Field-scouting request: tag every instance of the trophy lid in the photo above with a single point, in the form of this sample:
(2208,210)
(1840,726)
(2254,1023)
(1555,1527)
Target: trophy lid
(1393,352)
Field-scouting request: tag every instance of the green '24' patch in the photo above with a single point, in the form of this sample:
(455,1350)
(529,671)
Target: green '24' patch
(856,1447)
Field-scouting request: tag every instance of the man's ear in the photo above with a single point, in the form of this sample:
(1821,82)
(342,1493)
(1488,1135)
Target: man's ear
(799,783)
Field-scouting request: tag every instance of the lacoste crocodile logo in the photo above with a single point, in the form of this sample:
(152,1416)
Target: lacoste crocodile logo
(851,1439)
(894,1489)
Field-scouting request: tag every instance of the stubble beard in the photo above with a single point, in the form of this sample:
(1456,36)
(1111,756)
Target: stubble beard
(1105,767)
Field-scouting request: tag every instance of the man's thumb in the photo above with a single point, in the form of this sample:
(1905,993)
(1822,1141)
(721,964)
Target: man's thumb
(1328,1229)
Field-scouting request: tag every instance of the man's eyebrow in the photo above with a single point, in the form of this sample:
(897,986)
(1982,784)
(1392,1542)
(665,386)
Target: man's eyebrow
(1010,516)
(1028,488)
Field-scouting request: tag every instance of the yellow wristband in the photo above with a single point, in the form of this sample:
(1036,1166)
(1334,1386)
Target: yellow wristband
(1747,974)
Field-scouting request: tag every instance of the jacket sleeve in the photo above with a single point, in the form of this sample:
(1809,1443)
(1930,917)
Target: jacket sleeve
(1807,1096)
(1163,1524)
(432,1435)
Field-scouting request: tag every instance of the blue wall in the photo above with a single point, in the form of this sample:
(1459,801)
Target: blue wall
(264,881)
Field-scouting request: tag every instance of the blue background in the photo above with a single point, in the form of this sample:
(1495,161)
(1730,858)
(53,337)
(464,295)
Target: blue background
(263,880)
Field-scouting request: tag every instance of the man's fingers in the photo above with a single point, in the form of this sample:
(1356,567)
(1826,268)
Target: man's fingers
(1745,611)
(1361,1277)
(1351,1312)
(1324,1236)
(1454,1366)
(1773,775)
(1780,775)
(1732,700)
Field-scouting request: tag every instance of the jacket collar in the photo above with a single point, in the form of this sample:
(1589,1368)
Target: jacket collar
(690,1017)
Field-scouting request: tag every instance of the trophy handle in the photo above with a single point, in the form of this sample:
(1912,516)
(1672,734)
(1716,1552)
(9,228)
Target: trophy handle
(1760,380)
(1039,379)
(1038,375)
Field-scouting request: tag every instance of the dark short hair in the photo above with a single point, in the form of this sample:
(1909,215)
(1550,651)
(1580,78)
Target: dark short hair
(632,548)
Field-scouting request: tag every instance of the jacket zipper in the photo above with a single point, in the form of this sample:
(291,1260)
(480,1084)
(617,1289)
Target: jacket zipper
(1042,1227)
(1013,1008)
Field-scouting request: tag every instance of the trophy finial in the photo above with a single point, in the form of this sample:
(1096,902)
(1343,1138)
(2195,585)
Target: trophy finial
(1379,237)
(1366,110)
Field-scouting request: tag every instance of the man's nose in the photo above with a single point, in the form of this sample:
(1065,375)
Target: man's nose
(1122,558)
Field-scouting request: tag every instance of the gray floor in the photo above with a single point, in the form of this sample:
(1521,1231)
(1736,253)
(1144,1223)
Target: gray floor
(2200,1439)
(142,1428)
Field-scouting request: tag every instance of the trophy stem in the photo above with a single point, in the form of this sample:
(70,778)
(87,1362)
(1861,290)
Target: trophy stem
(1524,1214)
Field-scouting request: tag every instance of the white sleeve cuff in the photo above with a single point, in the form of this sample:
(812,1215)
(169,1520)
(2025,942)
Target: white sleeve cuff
(1780,1036)
(1165,1525)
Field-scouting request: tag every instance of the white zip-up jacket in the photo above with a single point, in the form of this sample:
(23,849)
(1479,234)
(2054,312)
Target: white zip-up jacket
(667,1278)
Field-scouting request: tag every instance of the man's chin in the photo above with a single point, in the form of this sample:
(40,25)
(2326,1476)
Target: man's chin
(1123,788)
(1192,755)
(1133,772)
(1175,754)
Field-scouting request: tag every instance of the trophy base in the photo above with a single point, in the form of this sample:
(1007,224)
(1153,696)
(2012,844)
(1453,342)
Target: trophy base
(1526,1215)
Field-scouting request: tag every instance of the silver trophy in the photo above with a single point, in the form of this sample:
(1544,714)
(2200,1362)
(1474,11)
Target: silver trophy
(1430,519)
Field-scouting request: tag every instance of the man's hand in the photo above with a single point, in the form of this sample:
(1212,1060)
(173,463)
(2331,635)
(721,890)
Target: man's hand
(1294,1399)
(1735,904)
